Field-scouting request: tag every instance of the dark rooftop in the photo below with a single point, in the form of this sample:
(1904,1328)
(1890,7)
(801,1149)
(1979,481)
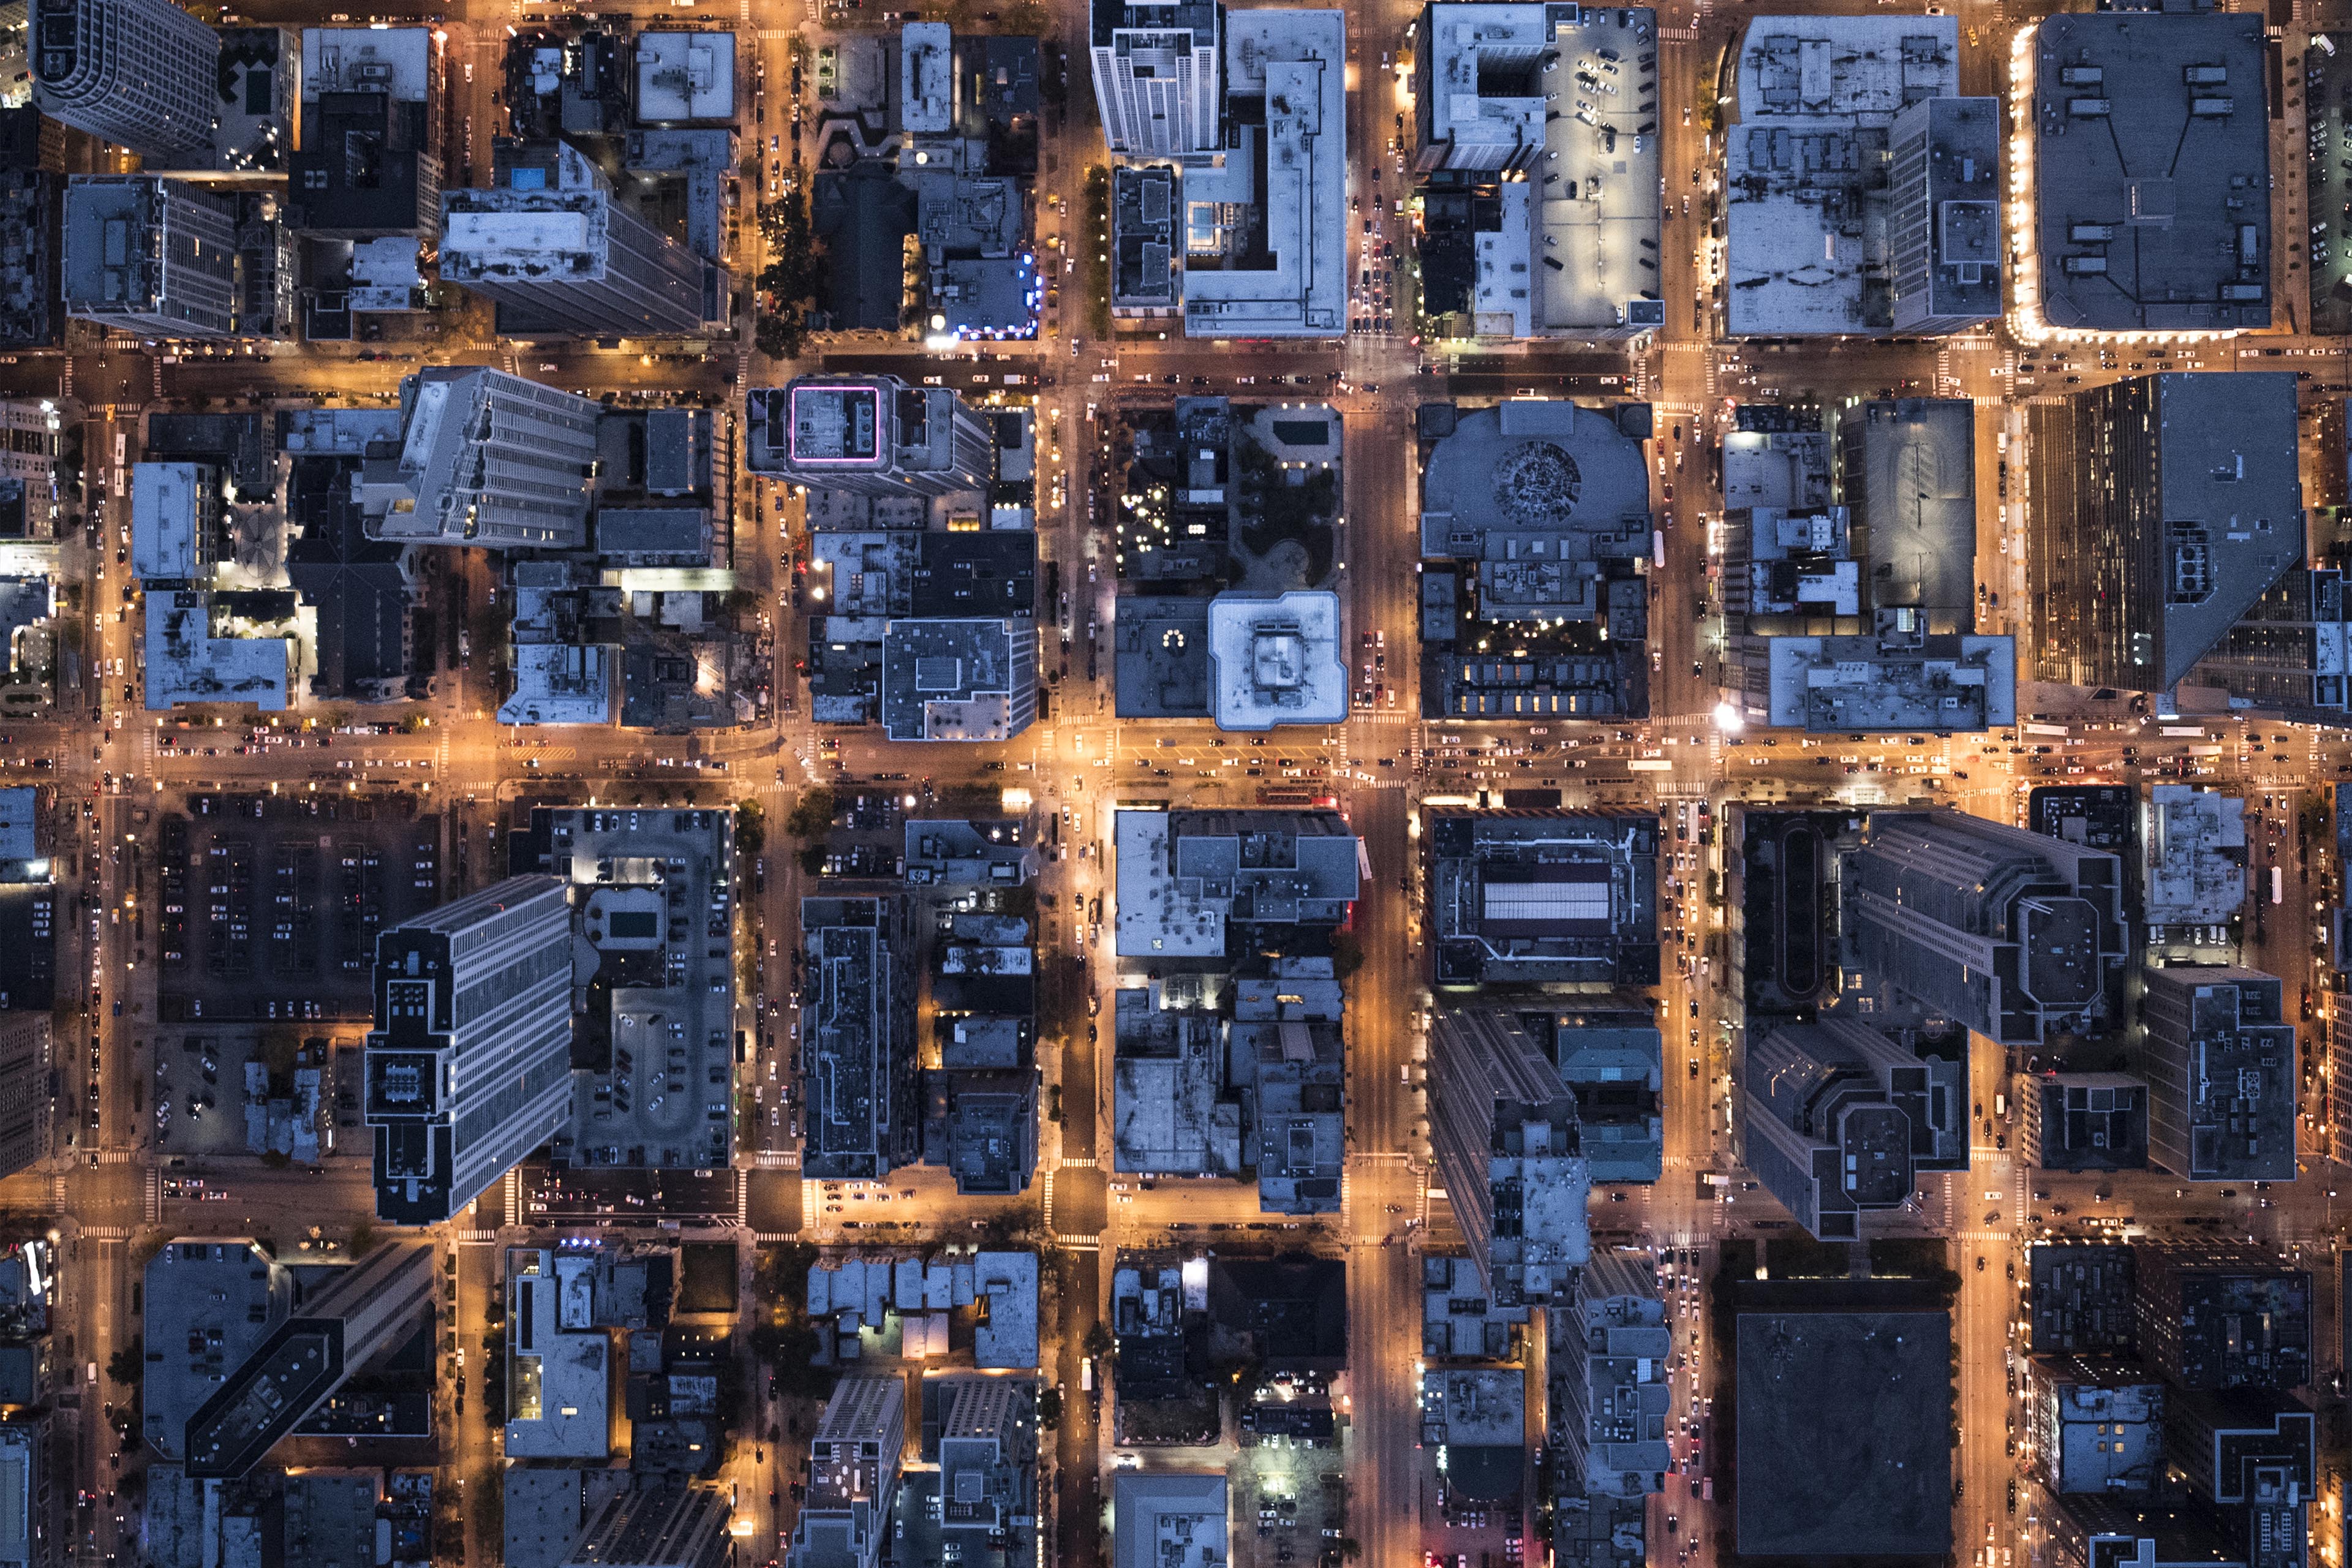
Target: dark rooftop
(1844,1424)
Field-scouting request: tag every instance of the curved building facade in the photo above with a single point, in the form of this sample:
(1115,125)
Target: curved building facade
(140,73)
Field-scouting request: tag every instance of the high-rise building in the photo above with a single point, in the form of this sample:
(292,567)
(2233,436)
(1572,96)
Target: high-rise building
(1608,1364)
(2006,932)
(356,1315)
(1841,1118)
(1503,1128)
(485,458)
(858,1070)
(2163,507)
(142,74)
(853,1467)
(982,1433)
(657,1524)
(872,435)
(369,165)
(1157,75)
(2219,1317)
(24,1089)
(469,1064)
(1943,218)
(576,260)
(151,254)
(2220,1060)
(2291,654)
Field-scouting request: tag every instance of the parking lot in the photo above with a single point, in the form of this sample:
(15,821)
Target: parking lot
(250,1089)
(269,907)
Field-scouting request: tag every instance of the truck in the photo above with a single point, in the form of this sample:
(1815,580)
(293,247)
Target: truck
(2278,885)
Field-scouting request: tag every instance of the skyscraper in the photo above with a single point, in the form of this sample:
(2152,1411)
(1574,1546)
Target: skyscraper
(2163,507)
(873,435)
(2006,932)
(142,74)
(2219,1061)
(575,261)
(1840,1118)
(657,1524)
(1157,75)
(1943,220)
(485,458)
(1503,1128)
(853,1465)
(469,1064)
(151,254)
(24,1089)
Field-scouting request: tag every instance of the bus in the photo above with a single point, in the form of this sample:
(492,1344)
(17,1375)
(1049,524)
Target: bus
(2278,885)
(2184,732)
(2058,729)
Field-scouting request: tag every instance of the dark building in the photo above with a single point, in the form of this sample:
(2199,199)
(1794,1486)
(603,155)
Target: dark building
(30,229)
(2251,1459)
(2113,1532)
(2292,654)
(2082,1300)
(1782,884)
(1841,1118)
(1843,1437)
(1504,1131)
(1545,899)
(2216,1318)
(2162,509)
(2013,934)
(1906,472)
(359,587)
(2084,1122)
(366,168)
(2220,1058)
(859,1089)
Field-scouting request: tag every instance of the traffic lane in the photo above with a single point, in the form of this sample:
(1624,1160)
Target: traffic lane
(552,1197)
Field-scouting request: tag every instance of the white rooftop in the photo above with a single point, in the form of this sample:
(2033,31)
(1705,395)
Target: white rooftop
(1806,173)
(926,79)
(186,663)
(559,684)
(397,60)
(1277,659)
(164,520)
(531,234)
(559,1378)
(685,76)
(1298,60)
(2194,847)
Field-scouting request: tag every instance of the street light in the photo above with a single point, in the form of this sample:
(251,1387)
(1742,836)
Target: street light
(1729,719)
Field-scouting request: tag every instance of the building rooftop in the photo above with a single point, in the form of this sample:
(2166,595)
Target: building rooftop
(1906,475)
(2084,1121)
(219,1297)
(958,680)
(2221,1062)
(1475,1407)
(1786,470)
(2082,1298)
(1284,1054)
(1843,1433)
(1167,1088)
(1284,271)
(2098,1427)
(2222,1316)
(1807,165)
(1614,1066)
(396,61)
(1898,678)
(652,891)
(1146,252)
(1459,1320)
(1159,656)
(559,1372)
(993,852)
(1170,1518)
(225,648)
(685,77)
(2150,174)
(1948,269)
(1186,876)
(175,509)
(858,1046)
(2193,856)
(1276,659)
(1537,897)
(1576,255)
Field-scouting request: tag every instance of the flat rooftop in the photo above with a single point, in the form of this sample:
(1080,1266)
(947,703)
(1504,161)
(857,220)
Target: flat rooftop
(958,680)
(2193,856)
(2151,173)
(1183,875)
(1288,277)
(652,891)
(685,77)
(1277,659)
(1170,1518)
(1948,684)
(1806,169)
(395,60)
(1844,1434)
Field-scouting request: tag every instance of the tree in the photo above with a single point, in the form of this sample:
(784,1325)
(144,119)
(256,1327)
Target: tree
(812,814)
(362,1240)
(1346,954)
(1049,1409)
(128,1365)
(1097,1340)
(750,827)
(1350,1548)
